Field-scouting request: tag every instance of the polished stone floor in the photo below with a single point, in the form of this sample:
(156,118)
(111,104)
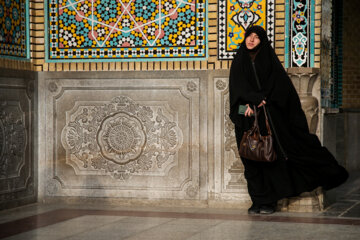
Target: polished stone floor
(341,220)
(75,222)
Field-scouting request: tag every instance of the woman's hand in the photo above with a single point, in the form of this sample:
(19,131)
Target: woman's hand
(262,103)
(248,111)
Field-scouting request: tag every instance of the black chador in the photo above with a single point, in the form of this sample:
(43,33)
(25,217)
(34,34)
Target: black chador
(302,164)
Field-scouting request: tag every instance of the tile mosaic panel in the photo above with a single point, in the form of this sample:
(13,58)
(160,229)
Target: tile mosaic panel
(14,28)
(109,30)
(301,37)
(235,16)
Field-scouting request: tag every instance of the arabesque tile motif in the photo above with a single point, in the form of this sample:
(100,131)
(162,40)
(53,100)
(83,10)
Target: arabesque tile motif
(235,16)
(126,29)
(13,28)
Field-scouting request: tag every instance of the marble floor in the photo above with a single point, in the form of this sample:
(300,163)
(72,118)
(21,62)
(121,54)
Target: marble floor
(341,220)
(75,222)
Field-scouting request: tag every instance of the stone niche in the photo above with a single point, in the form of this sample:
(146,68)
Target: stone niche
(17,179)
(122,138)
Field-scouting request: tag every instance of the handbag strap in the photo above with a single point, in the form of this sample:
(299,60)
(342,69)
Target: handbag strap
(267,121)
(259,86)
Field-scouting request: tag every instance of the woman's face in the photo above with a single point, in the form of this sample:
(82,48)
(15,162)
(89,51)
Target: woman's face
(252,41)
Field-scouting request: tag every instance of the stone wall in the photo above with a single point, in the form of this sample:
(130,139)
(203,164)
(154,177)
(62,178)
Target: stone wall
(18,182)
(164,139)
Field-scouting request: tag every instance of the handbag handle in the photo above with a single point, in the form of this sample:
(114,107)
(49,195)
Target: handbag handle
(256,123)
(267,121)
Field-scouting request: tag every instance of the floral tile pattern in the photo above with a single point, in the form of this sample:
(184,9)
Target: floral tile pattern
(235,16)
(126,29)
(13,28)
(300,33)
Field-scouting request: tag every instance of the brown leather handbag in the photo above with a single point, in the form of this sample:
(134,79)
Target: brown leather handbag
(255,147)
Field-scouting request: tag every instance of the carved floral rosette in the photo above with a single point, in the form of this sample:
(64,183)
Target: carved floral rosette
(121,138)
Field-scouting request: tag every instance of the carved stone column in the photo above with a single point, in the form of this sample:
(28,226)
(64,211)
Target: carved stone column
(306,82)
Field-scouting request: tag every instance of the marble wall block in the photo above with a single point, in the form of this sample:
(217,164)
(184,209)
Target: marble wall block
(230,183)
(17,180)
(122,138)
(307,83)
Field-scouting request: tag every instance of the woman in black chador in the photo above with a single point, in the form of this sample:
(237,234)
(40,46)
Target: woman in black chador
(302,164)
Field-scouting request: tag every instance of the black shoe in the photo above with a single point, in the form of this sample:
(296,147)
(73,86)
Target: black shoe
(267,208)
(254,209)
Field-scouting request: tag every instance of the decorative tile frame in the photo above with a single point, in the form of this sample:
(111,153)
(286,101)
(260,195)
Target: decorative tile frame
(235,16)
(126,30)
(299,43)
(14,29)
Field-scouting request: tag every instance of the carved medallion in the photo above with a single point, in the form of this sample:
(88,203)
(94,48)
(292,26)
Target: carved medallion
(121,137)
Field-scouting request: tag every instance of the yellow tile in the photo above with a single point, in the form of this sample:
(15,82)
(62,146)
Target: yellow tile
(105,66)
(190,65)
(39,68)
(170,65)
(203,65)
(280,22)
(280,15)
(212,45)
(38,19)
(80,66)
(212,37)
(157,66)
(177,65)
(197,65)
(112,66)
(163,66)
(212,59)
(279,7)
(212,30)
(66,67)
(39,54)
(131,66)
(183,65)
(151,66)
(213,52)
(86,66)
(279,29)
(212,22)
(212,7)
(217,65)
(59,66)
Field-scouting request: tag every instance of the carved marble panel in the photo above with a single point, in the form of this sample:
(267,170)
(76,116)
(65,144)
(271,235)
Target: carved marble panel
(16,161)
(122,138)
(230,183)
